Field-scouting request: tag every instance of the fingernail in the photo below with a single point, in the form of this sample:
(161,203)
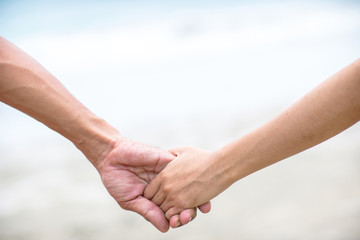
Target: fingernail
(190,219)
(177,224)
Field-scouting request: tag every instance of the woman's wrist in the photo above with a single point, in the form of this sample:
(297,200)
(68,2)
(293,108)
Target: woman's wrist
(224,165)
(238,159)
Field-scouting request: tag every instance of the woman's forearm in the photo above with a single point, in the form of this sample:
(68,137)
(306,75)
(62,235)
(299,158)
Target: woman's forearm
(28,87)
(324,112)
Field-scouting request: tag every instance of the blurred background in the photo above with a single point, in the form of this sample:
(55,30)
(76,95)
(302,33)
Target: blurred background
(177,73)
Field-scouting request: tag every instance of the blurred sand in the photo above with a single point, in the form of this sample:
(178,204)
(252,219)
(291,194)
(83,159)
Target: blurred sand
(50,191)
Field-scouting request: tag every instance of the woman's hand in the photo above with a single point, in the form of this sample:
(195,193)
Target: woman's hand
(190,180)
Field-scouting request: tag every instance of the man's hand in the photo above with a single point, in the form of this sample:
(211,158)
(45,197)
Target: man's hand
(128,169)
(125,167)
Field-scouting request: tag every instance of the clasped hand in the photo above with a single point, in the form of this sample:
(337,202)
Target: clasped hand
(181,184)
(126,172)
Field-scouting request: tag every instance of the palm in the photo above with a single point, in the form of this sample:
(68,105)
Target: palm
(127,170)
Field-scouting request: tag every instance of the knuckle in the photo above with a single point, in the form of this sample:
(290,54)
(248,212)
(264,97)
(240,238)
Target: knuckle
(182,204)
(163,176)
(167,188)
(185,202)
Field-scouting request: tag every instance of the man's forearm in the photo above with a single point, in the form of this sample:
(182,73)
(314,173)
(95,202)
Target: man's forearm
(28,87)
(326,111)
(125,166)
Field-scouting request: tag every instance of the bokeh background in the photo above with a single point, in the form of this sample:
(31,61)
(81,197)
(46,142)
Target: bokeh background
(176,73)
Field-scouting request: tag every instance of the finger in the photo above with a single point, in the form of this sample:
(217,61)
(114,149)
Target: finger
(171,212)
(187,215)
(175,221)
(149,211)
(205,208)
(152,188)
(176,151)
(164,158)
(159,199)
(165,206)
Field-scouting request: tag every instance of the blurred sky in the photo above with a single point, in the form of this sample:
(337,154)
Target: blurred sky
(133,61)
(138,62)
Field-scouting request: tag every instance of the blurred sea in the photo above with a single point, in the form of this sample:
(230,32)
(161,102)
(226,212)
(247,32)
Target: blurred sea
(176,74)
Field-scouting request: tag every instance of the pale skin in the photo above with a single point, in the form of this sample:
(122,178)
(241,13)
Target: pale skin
(324,112)
(126,167)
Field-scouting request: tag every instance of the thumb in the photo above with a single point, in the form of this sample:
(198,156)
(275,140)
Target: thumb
(177,151)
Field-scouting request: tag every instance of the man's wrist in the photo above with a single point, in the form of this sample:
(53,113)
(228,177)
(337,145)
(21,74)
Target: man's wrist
(94,137)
